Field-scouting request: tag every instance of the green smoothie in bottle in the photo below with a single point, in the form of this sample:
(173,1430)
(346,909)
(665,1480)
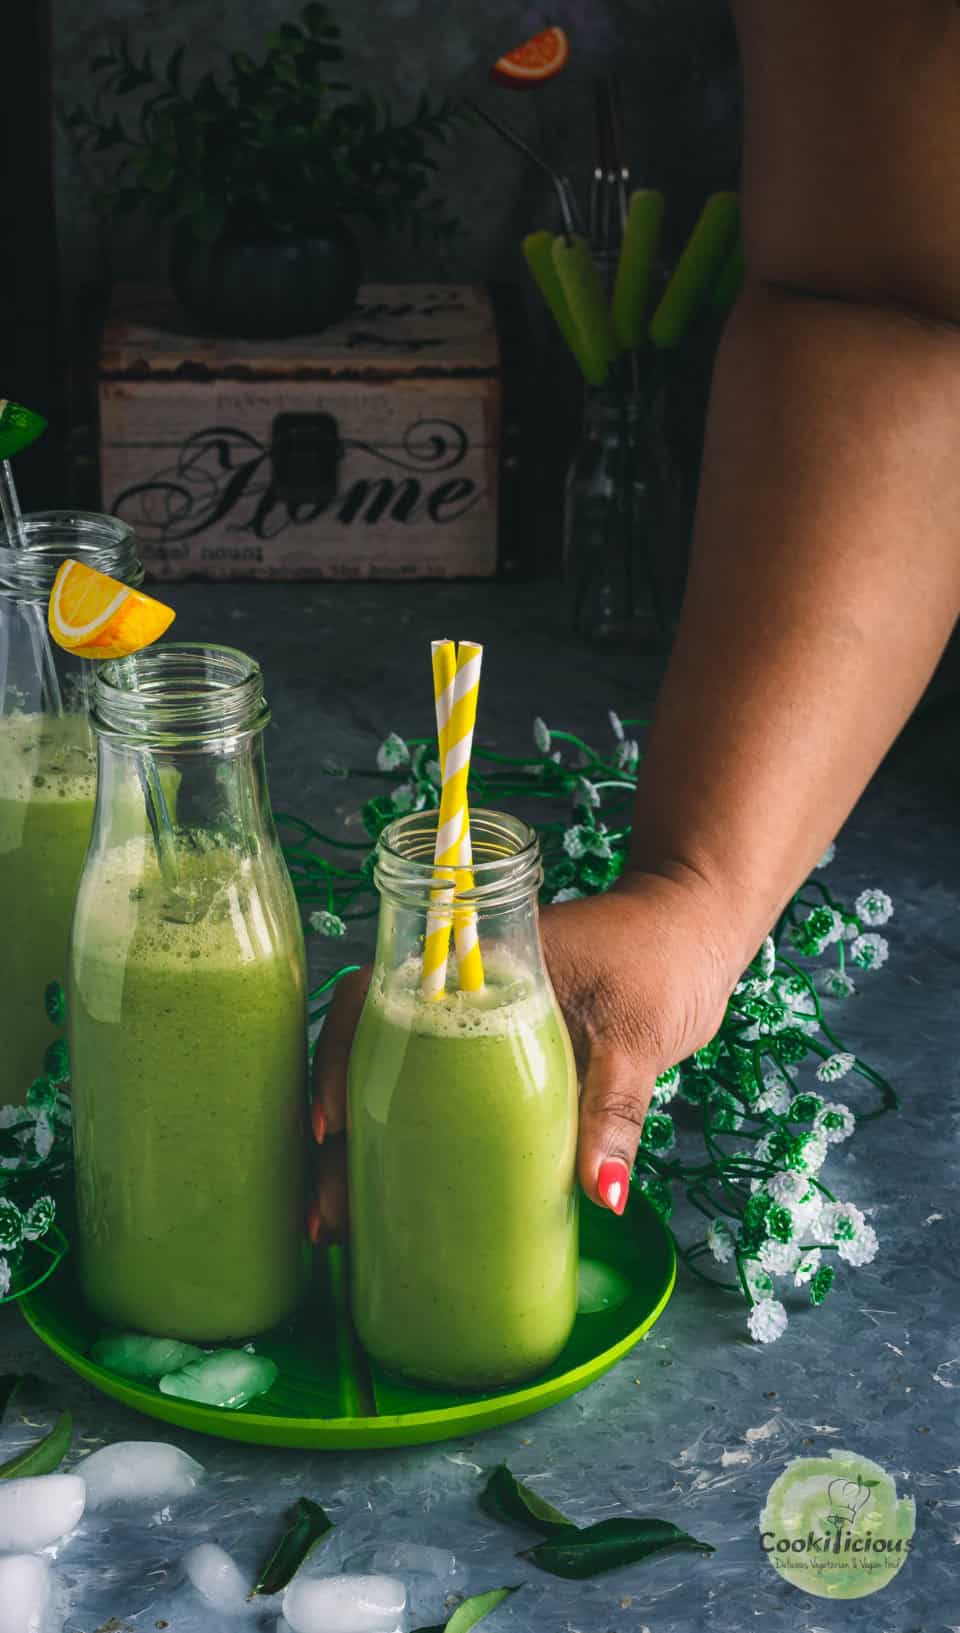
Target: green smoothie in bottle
(187,1015)
(47,776)
(462,1137)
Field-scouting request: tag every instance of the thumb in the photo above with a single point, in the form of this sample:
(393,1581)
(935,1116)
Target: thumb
(616,1093)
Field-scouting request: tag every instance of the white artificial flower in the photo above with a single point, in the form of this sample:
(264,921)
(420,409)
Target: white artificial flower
(392,752)
(851,930)
(407,797)
(721,1240)
(835,1066)
(869,951)
(835,984)
(861,1249)
(839,1222)
(836,932)
(787,1187)
(597,843)
(569,893)
(828,855)
(759,1281)
(616,725)
(4,1277)
(761,1151)
(835,1122)
(793,991)
(767,1321)
(585,795)
(666,1086)
(433,773)
(327,924)
(807,1266)
(873,907)
(43,1138)
(627,754)
(750,1033)
(779,1258)
(814,1153)
(11,1115)
(575,841)
(541,736)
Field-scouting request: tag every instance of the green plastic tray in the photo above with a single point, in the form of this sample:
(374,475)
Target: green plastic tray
(329,1395)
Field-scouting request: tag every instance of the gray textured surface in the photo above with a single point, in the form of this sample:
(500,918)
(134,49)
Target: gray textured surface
(696,1423)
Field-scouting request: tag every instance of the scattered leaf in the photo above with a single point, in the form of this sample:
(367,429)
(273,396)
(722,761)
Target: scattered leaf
(310,1525)
(45,1455)
(471,1611)
(611,1543)
(506,1498)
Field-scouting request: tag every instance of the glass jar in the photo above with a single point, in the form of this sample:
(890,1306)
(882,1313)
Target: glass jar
(462,1127)
(619,526)
(186,1007)
(47,774)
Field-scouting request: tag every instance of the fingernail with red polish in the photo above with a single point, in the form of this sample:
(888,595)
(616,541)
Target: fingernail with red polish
(313,1221)
(613,1183)
(319,1120)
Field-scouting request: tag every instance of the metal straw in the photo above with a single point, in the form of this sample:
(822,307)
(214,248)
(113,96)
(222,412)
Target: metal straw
(569,209)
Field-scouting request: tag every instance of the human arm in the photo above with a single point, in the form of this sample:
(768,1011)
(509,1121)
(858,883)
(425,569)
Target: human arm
(825,574)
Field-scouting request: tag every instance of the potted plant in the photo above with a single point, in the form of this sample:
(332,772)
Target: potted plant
(257,173)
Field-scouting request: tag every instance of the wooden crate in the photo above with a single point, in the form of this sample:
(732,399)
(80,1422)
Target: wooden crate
(369,450)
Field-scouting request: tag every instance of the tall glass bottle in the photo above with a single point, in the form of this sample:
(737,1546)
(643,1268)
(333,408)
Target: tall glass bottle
(47,775)
(186,1010)
(463,1129)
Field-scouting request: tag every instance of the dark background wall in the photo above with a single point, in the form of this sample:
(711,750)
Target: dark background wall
(676,61)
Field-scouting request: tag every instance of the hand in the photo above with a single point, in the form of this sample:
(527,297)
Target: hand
(642,974)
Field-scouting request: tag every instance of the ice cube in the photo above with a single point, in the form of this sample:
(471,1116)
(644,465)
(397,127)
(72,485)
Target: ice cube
(344,1604)
(218,1578)
(38,1509)
(404,1559)
(136,1357)
(134,1471)
(600,1287)
(24,1593)
(229,1377)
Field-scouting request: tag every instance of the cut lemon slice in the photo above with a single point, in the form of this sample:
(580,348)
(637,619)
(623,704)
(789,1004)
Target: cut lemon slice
(534,61)
(18,427)
(96,616)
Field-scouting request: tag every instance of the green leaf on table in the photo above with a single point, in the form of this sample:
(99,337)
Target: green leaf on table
(471,1611)
(45,1455)
(506,1498)
(310,1525)
(609,1544)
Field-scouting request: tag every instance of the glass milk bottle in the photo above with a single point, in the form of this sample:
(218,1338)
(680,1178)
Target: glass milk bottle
(47,775)
(462,1129)
(187,1011)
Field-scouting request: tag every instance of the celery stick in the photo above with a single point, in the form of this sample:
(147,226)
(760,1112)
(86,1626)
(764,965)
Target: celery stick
(638,253)
(727,285)
(587,304)
(707,248)
(538,250)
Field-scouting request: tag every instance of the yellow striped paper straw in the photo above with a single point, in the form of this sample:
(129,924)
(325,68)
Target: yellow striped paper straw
(456,688)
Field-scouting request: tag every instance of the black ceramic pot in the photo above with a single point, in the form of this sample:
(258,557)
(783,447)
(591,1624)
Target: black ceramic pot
(266,287)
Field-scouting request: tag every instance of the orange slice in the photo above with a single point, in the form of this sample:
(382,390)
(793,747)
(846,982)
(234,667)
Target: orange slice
(534,61)
(96,616)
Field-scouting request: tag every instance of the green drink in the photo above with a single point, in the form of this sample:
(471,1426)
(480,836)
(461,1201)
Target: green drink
(189,1050)
(47,775)
(462,1130)
(47,785)
(462,1151)
(187,1013)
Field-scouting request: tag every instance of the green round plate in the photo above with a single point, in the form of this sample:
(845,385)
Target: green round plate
(330,1395)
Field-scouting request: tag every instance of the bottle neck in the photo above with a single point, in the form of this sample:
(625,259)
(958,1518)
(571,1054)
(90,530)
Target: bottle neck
(498,893)
(55,536)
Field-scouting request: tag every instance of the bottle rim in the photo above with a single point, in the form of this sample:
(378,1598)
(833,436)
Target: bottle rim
(506,870)
(180,694)
(53,536)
